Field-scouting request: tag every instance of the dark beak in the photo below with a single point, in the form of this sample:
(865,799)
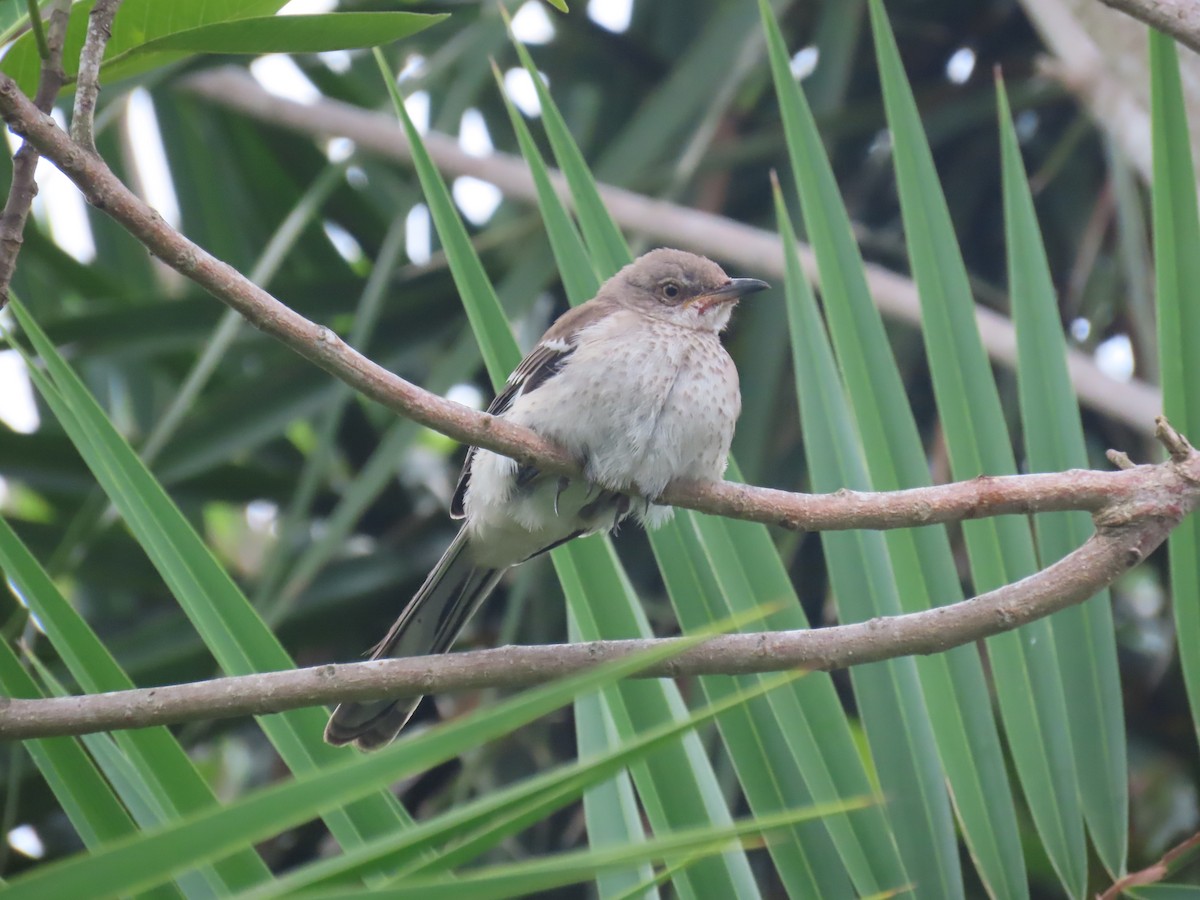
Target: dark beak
(739,287)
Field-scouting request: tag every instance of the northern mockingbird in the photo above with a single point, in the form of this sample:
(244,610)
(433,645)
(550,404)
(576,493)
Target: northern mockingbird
(636,385)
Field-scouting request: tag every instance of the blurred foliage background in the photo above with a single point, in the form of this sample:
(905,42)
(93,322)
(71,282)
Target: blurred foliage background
(329,512)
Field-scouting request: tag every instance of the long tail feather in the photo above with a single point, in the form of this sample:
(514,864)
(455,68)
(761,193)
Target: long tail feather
(429,624)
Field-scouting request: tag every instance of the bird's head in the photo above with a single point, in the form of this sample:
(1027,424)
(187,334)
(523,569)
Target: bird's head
(681,288)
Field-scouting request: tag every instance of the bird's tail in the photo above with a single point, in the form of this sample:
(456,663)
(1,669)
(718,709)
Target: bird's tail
(429,624)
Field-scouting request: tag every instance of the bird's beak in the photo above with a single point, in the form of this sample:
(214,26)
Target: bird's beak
(735,289)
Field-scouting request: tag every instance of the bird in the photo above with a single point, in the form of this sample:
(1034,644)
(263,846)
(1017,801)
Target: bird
(635,385)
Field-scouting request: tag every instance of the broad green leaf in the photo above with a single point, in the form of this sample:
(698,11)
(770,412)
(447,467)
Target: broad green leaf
(1028,678)
(956,691)
(1083,634)
(137,22)
(270,34)
(1177,272)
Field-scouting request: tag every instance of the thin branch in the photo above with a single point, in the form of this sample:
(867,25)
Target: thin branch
(752,249)
(980,497)
(87,84)
(1102,558)
(1178,18)
(1152,874)
(24,186)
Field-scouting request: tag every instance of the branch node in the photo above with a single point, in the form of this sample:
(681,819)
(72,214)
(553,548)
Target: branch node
(1120,459)
(1177,445)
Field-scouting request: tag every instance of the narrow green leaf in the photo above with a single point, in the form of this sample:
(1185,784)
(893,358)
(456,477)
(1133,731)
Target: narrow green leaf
(545,873)
(1027,673)
(776,767)
(606,244)
(1177,272)
(889,696)
(129,865)
(86,798)
(163,777)
(956,692)
(231,629)
(1083,635)
(690,791)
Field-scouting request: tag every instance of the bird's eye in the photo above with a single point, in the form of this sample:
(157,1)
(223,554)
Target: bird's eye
(670,290)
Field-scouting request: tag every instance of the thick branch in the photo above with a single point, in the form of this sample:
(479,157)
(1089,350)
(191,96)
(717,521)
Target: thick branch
(1073,579)
(24,187)
(87,86)
(753,249)
(1178,18)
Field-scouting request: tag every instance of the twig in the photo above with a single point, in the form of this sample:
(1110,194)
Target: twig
(1178,18)
(1073,579)
(24,186)
(752,249)
(87,85)
(1151,874)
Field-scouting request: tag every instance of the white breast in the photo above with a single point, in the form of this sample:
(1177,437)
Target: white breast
(641,401)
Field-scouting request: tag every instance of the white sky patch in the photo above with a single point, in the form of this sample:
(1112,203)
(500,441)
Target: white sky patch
(278,74)
(611,15)
(960,65)
(1115,357)
(417,104)
(473,135)
(356,177)
(59,207)
(343,242)
(1026,124)
(804,63)
(1081,329)
(417,236)
(339,149)
(414,66)
(262,515)
(26,841)
(467,395)
(336,61)
(476,199)
(17,409)
(532,24)
(141,127)
(307,7)
(519,86)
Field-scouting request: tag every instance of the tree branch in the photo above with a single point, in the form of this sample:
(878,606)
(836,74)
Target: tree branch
(754,249)
(24,186)
(981,497)
(87,83)
(1174,491)
(1178,18)
(1135,508)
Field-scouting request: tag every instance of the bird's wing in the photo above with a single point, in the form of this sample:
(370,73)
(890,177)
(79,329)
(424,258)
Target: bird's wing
(543,363)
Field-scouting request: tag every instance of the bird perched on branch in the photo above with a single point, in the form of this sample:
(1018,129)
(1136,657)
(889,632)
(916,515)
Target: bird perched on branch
(636,385)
